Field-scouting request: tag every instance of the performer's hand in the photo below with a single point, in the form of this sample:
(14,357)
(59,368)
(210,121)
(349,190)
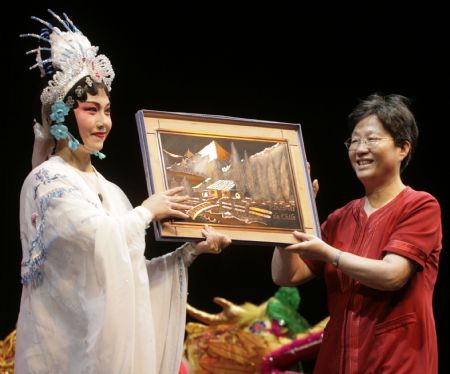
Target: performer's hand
(215,241)
(167,204)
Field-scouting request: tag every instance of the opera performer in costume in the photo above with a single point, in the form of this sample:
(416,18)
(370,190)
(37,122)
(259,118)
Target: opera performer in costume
(91,302)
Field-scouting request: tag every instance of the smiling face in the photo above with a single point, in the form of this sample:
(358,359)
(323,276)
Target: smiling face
(376,160)
(93,117)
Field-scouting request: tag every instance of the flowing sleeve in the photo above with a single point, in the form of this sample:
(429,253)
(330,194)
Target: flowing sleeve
(168,293)
(88,281)
(63,216)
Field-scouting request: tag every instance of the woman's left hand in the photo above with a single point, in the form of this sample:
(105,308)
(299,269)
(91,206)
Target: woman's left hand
(215,241)
(310,247)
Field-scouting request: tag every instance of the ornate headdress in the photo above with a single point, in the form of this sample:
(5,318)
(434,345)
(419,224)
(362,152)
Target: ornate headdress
(72,57)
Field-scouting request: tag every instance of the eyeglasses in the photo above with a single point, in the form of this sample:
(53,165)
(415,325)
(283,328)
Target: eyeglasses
(352,143)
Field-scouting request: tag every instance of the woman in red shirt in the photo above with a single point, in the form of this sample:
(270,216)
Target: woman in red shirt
(379,254)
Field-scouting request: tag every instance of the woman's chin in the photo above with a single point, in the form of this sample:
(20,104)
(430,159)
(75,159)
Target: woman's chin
(91,148)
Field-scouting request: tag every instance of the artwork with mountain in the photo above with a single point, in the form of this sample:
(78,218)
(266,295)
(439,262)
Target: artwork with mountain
(233,180)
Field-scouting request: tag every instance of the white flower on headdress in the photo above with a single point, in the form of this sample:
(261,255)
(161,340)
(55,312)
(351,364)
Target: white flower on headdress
(73,57)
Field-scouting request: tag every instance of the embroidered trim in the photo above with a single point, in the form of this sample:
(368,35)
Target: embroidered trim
(44,177)
(38,250)
(181,269)
(189,253)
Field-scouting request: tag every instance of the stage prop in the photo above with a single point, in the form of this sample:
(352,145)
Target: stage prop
(7,350)
(268,338)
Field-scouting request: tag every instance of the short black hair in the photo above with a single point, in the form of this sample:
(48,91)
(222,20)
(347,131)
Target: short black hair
(82,88)
(394,114)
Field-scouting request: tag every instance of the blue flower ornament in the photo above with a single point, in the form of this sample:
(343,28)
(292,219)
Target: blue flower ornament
(59,111)
(60,131)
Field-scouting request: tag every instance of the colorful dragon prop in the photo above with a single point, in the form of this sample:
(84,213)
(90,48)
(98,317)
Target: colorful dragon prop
(266,338)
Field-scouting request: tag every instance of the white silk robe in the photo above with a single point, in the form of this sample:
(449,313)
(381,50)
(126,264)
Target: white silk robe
(91,302)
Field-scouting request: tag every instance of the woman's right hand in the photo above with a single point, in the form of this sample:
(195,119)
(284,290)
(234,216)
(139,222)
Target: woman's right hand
(167,204)
(315,187)
(315,182)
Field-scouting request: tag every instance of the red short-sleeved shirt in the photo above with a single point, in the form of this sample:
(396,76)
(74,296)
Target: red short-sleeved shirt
(373,331)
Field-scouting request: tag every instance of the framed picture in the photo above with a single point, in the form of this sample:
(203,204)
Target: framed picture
(246,178)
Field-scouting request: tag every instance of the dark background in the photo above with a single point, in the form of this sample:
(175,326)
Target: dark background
(304,66)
